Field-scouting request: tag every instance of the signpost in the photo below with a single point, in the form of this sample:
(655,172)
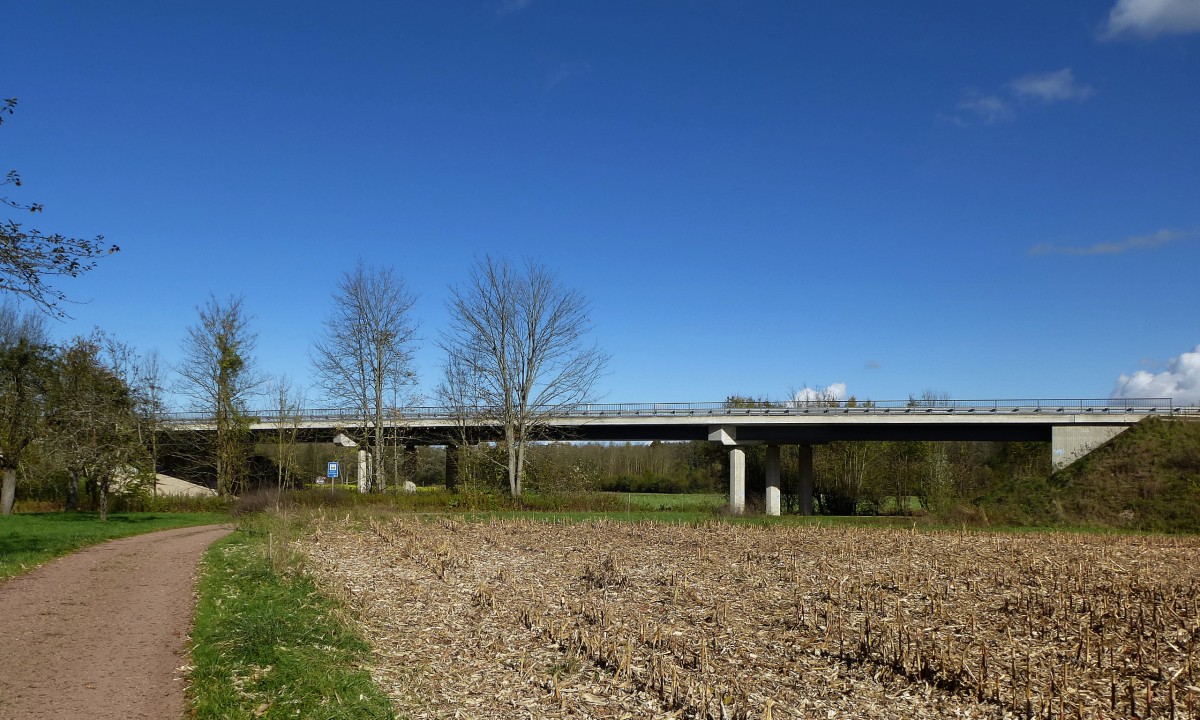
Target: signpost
(331,471)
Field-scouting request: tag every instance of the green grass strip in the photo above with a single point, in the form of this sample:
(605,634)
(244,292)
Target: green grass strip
(30,539)
(268,644)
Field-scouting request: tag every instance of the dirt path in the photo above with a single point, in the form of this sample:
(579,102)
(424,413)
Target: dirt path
(102,633)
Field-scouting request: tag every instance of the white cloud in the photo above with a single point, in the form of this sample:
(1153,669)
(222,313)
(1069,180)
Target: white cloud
(1151,18)
(990,109)
(1133,242)
(1180,381)
(836,391)
(1050,87)
(1002,106)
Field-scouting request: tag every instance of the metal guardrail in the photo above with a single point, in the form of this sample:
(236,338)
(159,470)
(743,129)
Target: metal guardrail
(1140,406)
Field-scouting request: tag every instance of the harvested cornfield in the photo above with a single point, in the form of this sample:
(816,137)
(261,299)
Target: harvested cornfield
(521,619)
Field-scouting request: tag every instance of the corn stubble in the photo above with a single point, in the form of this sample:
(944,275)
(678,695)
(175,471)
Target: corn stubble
(523,619)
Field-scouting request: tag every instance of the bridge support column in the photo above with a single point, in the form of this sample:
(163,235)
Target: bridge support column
(737,480)
(804,489)
(452,460)
(364,478)
(771,504)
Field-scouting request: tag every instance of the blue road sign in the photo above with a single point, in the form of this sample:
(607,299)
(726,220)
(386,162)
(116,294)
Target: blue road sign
(331,469)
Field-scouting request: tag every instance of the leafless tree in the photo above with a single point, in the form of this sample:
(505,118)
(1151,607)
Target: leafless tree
(364,357)
(144,377)
(519,336)
(459,394)
(287,405)
(817,396)
(150,389)
(218,376)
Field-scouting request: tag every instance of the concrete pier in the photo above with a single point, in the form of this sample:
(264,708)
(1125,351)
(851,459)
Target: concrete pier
(737,480)
(804,486)
(771,500)
(364,476)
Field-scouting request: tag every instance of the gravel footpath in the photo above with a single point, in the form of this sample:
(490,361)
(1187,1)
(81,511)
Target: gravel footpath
(102,633)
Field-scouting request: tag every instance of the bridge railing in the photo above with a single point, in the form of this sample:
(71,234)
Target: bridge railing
(1140,406)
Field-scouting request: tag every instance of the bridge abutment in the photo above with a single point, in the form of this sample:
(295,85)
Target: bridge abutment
(1068,443)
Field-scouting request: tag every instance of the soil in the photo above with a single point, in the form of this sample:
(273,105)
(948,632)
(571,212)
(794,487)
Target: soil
(102,633)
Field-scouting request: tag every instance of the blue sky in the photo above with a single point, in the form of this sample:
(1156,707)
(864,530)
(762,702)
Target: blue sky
(990,200)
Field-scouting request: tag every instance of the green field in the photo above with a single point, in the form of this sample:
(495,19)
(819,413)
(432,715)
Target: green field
(695,502)
(30,539)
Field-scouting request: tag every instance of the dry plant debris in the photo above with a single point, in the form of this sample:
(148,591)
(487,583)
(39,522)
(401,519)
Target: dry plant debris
(525,619)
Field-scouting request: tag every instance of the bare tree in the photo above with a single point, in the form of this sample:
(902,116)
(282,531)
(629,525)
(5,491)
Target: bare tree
(817,396)
(365,353)
(287,405)
(25,364)
(143,376)
(459,393)
(519,336)
(218,376)
(150,404)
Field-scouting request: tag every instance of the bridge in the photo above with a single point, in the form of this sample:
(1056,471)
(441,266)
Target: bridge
(1073,427)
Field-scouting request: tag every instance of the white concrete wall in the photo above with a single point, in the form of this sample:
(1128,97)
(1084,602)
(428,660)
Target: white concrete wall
(1070,442)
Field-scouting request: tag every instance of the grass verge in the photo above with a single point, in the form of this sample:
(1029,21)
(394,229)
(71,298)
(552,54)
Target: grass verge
(30,539)
(682,502)
(268,644)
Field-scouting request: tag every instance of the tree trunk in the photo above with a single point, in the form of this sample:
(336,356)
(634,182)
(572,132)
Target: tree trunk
(102,486)
(73,491)
(514,486)
(380,470)
(520,463)
(8,491)
(453,467)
